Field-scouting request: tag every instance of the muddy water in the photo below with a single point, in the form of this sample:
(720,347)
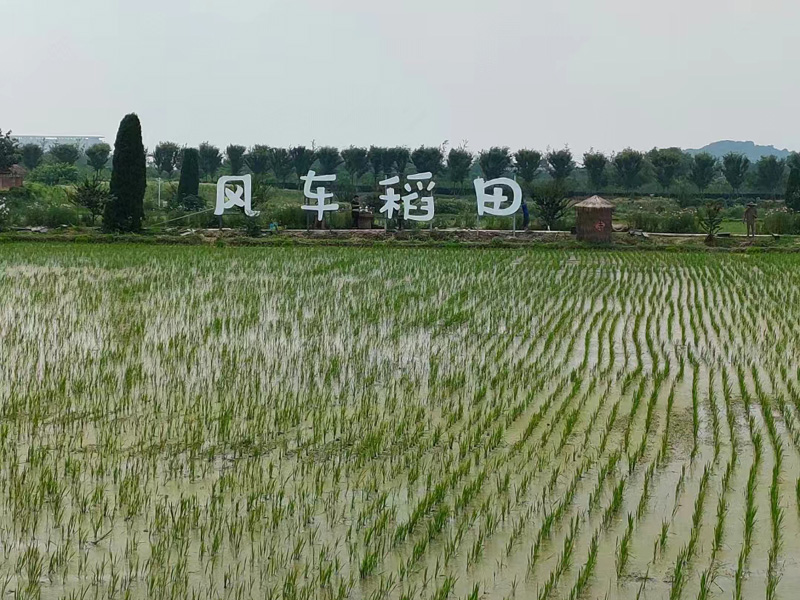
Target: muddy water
(338,423)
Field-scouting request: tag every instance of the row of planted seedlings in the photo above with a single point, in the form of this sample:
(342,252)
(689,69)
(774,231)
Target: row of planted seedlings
(217,450)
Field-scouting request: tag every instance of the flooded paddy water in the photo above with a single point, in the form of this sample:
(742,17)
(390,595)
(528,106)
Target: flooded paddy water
(397,423)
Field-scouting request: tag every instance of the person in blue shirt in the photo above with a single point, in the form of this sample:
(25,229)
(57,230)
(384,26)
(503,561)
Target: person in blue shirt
(526,217)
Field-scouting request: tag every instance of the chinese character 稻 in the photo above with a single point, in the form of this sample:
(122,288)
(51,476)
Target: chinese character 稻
(239,196)
(390,198)
(490,204)
(319,194)
(426,206)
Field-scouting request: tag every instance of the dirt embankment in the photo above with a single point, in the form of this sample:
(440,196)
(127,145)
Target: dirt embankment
(419,238)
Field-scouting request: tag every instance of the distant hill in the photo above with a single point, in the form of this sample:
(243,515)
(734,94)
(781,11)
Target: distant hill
(749,149)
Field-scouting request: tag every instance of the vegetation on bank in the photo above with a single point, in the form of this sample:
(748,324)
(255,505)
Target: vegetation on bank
(664,190)
(38,205)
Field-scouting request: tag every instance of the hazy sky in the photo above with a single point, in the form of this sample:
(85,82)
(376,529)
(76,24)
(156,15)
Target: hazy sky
(521,73)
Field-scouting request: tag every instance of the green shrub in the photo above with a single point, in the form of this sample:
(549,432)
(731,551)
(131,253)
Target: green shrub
(781,223)
(53,215)
(646,221)
(679,223)
(54,174)
(291,217)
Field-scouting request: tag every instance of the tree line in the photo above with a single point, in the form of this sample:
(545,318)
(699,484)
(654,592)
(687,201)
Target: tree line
(553,169)
(629,169)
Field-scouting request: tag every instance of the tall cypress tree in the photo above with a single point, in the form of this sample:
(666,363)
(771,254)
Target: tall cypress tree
(125,211)
(189,184)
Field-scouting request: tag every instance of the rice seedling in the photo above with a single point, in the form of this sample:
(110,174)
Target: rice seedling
(387,423)
(623,548)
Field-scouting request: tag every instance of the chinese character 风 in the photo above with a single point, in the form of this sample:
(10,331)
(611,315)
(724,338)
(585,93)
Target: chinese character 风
(239,196)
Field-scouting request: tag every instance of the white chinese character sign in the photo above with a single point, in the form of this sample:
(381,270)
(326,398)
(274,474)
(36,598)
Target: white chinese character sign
(416,203)
(319,194)
(240,194)
(492,204)
(390,197)
(411,211)
(426,202)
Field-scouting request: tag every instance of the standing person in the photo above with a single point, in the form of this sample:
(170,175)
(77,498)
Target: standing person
(750,216)
(355,208)
(526,217)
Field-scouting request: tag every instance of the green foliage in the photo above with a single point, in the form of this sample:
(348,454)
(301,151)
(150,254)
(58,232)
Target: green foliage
(628,165)
(793,161)
(709,218)
(97,156)
(376,156)
(769,173)
(9,151)
(258,159)
(31,156)
(703,170)
(682,222)
(235,154)
(398,157)
(355,162)
(210,160)
(560,164)
(262,192)
(734,168)
(189,184)
(527,164)
(667,163)
(166,157)
(280,161)
(428,159)
(459,162)
(66,154)
(91,194)
(550,203)
(329,160)
(793,186)
(495,161)
(192,203)
(595,165)
(54,174)
(781,223)
(302,159)
(125,211)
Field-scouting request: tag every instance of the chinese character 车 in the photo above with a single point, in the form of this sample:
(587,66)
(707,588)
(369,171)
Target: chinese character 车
(319,194)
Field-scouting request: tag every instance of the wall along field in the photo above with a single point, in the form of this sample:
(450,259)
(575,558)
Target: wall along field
(397,423)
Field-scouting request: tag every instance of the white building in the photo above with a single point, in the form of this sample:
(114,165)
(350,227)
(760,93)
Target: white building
(48,141)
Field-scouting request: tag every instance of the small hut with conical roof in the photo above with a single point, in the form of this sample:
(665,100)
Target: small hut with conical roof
(593,219)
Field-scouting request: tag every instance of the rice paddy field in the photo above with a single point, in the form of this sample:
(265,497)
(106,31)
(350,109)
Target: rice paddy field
(368,423)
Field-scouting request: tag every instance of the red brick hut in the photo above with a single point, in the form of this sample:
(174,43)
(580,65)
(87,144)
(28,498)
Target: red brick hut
(14,177)
(593,219)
